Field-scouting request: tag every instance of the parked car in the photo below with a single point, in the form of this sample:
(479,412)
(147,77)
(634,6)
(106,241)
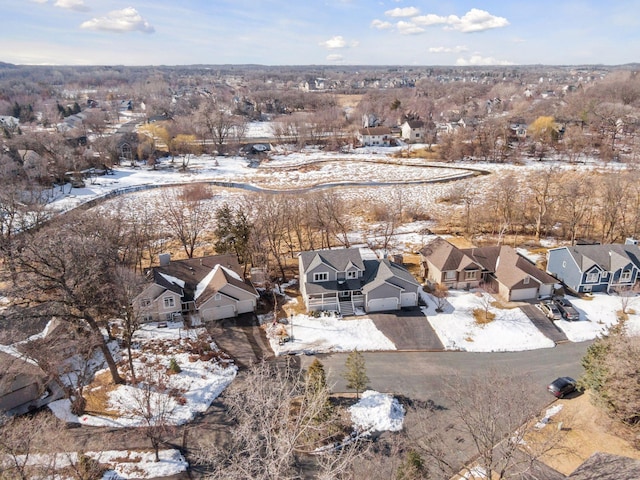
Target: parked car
(567,310)
(550,310)
(562,386)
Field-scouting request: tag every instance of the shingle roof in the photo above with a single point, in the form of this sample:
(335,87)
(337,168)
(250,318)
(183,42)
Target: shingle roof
(338,259)
(379,272)
(197,279)
(606,466)
(375,131)
(446,257)
(610,257)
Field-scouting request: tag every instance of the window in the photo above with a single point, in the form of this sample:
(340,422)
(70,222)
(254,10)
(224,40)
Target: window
(169,302)
(525,281)
(352,274)
(626,276)
(321,277)
(450,275)
(147,318)
(592,277)
(345,294)
(470,274)
(217,296)
(145,302)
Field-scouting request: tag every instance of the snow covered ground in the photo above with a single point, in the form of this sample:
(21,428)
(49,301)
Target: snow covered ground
(377,412)
(325,334)
(511,330)
(199,382)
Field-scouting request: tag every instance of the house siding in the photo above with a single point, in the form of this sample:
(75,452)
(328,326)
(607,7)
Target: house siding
(569,274)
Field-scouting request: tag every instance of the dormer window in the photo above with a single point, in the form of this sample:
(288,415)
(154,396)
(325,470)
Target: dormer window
(321,277)
(592,277)
(626,276)
(352,274)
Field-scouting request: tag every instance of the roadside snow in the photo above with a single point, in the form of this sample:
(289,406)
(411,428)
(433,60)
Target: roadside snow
(510,331)
(548,414)
(325,334)
(377,412)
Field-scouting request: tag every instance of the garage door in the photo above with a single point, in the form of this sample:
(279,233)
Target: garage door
(382,304)
(217,313)
(524,294)
(408,299)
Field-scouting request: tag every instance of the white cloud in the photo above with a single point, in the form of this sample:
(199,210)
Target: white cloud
(402,12)
(431,19)
(338,42)
(125,20)
(456,49)
(476,20)
(381,25)
(334,57)
(479,60)
(77,5)
(408,28)
(39,1)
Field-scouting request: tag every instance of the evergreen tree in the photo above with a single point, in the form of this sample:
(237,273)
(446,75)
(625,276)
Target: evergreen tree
(232,230)
(316,376)
(356,373)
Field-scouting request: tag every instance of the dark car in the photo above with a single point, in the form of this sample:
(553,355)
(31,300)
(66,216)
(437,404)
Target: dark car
(550,310)
(567,310)
(562,386)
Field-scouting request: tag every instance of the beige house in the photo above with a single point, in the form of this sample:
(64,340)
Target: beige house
(442,262)
(197,289)
(413,131)
(500,269)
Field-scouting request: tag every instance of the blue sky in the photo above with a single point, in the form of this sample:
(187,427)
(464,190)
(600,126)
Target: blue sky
(330,32)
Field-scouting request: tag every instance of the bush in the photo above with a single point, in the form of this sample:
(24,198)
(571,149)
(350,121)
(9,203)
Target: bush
(173,366)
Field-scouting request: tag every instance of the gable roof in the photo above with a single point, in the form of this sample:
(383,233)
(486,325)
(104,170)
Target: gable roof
(198,279)
(415,123)
(337,259)
(609,257)
(606,466)
(509,267)
(379,272)
(446,257)
(375,131)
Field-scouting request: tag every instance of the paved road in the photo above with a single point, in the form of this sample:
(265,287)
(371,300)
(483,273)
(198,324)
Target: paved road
(542,323)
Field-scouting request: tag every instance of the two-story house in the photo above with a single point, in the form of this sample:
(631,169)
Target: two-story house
(341,280)
(375,136)
(596,268)
(196,289)
(443,263)
(413,131)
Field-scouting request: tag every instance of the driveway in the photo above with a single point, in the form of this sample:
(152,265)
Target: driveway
(409,330)
(242,338)
(542,323)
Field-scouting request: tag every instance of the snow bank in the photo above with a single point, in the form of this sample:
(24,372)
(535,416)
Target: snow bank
(377,412)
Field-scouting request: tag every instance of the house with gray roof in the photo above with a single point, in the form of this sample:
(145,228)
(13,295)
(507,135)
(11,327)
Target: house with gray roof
(196,289)
(443,263)
(342,280)
(596,268)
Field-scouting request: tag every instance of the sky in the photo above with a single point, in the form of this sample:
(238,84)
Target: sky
(325,32)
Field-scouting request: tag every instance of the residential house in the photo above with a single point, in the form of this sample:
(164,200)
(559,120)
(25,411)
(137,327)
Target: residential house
(596,268)
(499,268)
(342,280)
(375,136)
(606,466)
(24,386)
(414,130)
(509,274)
(442,262)
(197,289)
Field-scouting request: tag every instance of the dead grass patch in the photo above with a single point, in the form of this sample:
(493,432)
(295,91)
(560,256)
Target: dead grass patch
(97,395)
(483,316)
(586,430)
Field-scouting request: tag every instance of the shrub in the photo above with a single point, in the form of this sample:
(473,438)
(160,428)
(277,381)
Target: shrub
(173,366)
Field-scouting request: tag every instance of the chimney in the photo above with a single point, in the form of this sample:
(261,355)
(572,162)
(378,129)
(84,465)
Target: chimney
(165,259)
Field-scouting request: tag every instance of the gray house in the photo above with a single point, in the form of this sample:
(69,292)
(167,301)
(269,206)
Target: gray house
(596,268)
(196,289)
(341,280)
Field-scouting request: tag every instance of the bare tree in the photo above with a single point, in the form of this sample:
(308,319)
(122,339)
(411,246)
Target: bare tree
(66,270)
(152,405)
(188,212)
(274,426)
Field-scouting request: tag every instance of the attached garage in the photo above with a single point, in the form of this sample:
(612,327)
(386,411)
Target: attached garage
(524,294)
(382,304)
(219,312)
(408,299)
(245,306)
